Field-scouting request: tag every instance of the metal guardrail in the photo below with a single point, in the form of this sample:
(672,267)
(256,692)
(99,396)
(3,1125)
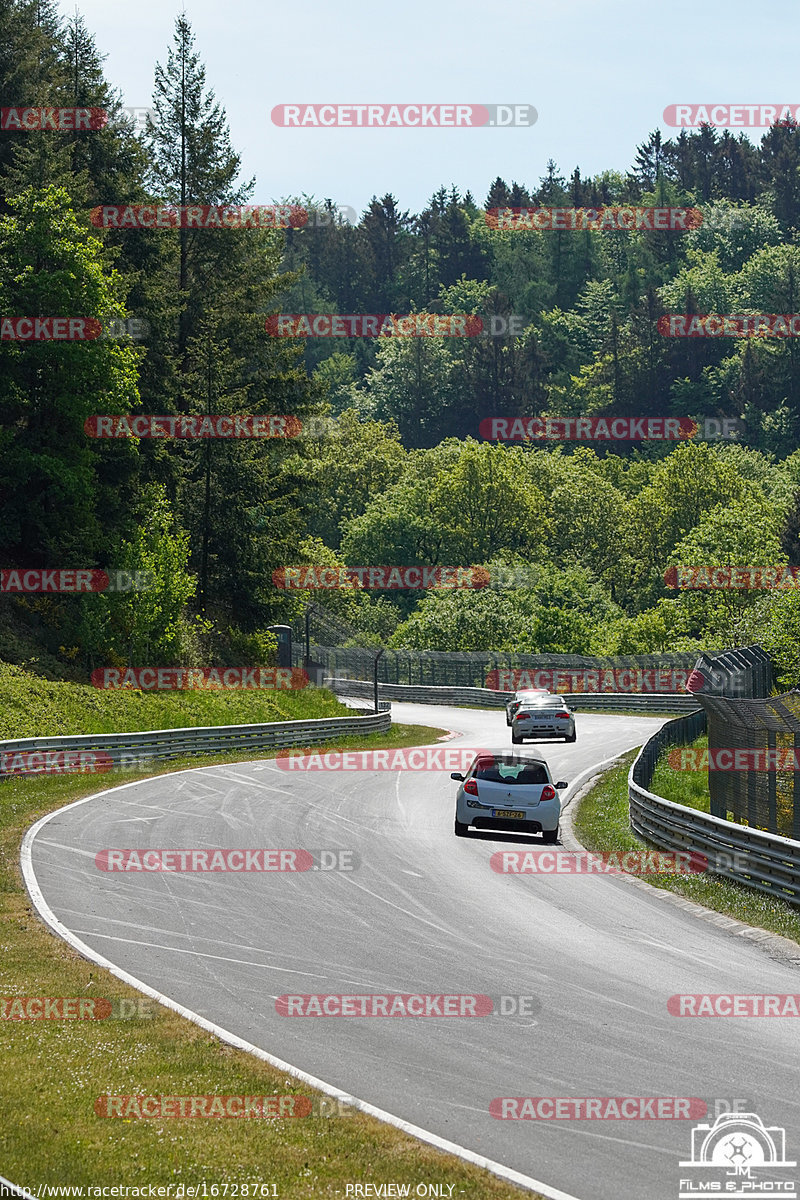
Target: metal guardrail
(489,698)
(764,861)
(122,748)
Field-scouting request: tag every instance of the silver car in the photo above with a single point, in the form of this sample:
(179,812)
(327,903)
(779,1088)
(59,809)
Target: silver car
(543,717)
(520,697)
(505,791)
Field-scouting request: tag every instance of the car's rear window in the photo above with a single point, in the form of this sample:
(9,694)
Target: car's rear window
(518,772)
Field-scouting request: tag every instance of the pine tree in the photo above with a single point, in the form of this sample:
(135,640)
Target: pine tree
(499,195)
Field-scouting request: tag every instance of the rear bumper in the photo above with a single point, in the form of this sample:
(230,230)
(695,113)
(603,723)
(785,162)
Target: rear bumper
(544,816)
(508,826)
(529,732)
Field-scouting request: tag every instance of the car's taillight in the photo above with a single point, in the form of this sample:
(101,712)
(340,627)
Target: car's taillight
(520,716)
(564,714)
(471,787)
(548,792)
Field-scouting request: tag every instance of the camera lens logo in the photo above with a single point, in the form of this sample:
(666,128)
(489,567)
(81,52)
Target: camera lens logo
(730,1150)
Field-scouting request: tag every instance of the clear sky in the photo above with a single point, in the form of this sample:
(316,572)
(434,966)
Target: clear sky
(599,75)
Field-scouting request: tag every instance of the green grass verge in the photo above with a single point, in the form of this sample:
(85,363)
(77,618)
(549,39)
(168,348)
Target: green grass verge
(602,824)
(687,787)
(34,707)
(52,1071)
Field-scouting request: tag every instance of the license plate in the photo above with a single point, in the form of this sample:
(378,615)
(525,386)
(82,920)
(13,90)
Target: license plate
(504,812)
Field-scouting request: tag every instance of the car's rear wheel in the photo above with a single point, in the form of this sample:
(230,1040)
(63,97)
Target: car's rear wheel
(516,738)
(461,829)
(550,836)
(573,736)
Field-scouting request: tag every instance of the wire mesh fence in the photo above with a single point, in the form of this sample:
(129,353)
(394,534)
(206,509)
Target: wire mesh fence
(329,640)
(753,741)
(503,671)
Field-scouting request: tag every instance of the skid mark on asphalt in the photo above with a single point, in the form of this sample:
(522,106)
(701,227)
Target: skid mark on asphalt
(109,937)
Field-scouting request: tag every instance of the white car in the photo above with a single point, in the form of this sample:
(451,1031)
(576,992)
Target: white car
(543,717)
(505,791)
(520,697)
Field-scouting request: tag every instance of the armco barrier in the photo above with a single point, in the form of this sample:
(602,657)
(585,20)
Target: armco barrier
(212,739)
(488,698)
(764,861)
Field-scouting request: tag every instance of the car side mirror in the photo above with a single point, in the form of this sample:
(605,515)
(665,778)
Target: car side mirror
(455,775)
(571,708)
(562,783)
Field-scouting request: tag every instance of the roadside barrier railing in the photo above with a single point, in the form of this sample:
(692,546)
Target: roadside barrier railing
(657,702)
(125,748)
(764,861)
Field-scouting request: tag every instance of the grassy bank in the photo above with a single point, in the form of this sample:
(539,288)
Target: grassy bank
(688,787)
(53,1071)
(602,824)
(34,707)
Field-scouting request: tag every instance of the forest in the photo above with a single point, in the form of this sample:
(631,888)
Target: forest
(392,465)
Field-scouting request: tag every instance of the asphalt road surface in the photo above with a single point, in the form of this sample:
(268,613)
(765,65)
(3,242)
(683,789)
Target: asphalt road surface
(424,913)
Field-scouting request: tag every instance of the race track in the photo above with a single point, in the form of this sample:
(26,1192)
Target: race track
(425,913)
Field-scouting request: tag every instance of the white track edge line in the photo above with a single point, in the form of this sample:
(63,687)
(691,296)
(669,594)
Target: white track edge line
(232,1039)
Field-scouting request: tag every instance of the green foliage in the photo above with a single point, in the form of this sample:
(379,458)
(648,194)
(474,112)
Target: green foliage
(399,478)
(147,626)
